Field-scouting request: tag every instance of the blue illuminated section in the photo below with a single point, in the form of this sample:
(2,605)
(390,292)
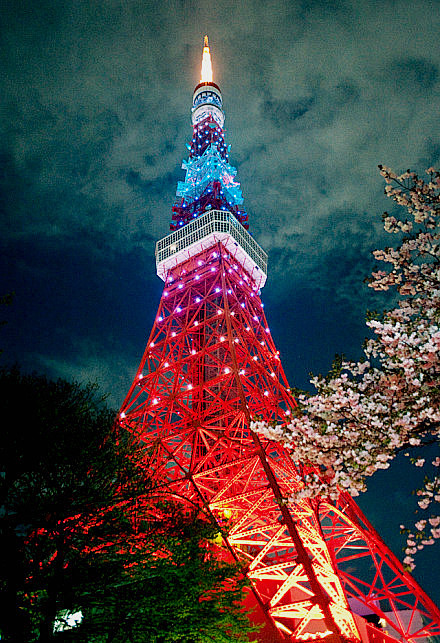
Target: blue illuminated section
(201,174)
(210,181)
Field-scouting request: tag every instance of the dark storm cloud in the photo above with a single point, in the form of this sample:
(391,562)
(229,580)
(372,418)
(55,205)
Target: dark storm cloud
(84,105)
(283,112)
(318,110)
(412,75)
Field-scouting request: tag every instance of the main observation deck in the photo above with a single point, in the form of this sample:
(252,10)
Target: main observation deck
(206,231)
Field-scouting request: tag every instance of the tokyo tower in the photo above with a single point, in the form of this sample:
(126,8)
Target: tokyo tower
(318,569)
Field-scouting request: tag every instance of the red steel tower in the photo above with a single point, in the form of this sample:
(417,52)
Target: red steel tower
(318,568)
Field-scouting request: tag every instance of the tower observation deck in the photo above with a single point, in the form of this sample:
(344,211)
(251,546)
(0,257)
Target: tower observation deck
(318,570)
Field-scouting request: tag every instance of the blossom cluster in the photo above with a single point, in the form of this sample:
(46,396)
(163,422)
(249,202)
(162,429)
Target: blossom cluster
(364,413)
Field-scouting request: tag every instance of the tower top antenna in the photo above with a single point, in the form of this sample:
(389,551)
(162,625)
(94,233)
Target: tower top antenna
(206,76)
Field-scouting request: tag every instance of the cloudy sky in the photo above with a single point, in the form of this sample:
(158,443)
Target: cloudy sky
(95,102)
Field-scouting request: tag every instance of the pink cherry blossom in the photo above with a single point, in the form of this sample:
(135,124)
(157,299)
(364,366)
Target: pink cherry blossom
(364,413)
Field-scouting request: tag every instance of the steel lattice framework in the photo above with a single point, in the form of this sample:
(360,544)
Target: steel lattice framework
(209,368)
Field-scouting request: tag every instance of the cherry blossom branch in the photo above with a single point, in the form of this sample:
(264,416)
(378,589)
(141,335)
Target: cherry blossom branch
(364,413)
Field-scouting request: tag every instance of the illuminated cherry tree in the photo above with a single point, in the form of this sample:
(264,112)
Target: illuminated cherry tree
(365,413)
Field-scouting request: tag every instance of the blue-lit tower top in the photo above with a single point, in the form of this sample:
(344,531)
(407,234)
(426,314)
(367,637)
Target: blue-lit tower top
(210,181)
(208,210)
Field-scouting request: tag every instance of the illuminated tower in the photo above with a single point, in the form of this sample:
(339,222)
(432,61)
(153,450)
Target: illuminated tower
(209,368)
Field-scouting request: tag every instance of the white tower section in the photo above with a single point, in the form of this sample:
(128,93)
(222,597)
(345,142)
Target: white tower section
(205,232)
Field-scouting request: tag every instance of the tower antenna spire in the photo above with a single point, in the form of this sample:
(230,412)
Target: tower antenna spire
(206,76)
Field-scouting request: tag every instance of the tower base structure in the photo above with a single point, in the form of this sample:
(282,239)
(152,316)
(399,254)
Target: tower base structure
(318,570)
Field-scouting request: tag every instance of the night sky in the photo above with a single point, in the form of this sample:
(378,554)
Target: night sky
(95,115)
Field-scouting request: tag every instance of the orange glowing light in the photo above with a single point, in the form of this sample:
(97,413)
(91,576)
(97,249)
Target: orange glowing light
(206,76)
